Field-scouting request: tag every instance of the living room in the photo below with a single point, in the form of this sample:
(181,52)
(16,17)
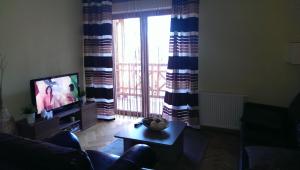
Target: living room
(243,48)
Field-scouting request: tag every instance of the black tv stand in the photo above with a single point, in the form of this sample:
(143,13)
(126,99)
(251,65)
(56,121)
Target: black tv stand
(69,119)
(67,112)
(73,119)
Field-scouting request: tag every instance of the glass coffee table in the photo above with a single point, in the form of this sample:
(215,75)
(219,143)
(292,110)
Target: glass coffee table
(168,144)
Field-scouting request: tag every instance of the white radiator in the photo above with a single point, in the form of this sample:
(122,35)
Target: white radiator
(221,109)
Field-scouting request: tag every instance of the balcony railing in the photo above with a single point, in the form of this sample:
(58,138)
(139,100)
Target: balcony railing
(129,88)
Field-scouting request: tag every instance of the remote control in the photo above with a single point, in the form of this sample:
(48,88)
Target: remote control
(136,125)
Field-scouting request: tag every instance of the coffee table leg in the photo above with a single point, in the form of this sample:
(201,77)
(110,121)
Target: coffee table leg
(175,151)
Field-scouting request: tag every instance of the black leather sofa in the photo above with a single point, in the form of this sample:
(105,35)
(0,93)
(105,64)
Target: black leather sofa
(63,152)
(270,137)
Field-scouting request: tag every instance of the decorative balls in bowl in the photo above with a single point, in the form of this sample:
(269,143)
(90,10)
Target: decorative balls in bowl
(155,123)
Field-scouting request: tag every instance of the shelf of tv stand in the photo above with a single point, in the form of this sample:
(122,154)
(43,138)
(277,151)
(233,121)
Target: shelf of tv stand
(67,112)
(85,117)
(68,124)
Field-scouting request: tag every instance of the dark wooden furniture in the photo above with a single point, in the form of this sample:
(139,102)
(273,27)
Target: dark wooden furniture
(168,143)
(74,119)
(65,119)
(270,132)
(88,115)
(39,130)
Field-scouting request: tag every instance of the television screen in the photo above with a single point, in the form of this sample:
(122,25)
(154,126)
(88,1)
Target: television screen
(53,93)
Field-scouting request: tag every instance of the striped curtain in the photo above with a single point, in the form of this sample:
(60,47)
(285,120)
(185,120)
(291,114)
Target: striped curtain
(181,96)
(97,28)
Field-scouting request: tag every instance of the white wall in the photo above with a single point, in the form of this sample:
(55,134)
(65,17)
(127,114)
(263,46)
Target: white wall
(242,48)
(39,38)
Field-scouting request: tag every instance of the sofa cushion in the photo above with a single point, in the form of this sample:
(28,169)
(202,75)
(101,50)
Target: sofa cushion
(269,158)
(22,153)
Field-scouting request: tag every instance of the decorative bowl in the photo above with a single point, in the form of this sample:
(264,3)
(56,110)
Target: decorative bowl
(155,123)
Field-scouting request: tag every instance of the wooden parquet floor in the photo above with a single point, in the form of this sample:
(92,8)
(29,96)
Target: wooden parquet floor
(103,132)
(222,152)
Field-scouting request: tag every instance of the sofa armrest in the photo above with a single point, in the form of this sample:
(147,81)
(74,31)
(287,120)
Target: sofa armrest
(264,116)
(66,139)
(136,157)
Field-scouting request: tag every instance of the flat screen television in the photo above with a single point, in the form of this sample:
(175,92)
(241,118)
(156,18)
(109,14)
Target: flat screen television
(55,93)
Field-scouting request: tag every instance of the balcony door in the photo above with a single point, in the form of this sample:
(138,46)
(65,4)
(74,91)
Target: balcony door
(141,48)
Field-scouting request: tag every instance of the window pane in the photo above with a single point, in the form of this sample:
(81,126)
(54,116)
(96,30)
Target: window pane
(127,62)
(158,51)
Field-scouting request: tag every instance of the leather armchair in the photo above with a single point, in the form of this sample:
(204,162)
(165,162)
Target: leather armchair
(63,152)
(269,132)
(137,157)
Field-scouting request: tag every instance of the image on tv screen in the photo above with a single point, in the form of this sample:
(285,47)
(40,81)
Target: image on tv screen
(55,92)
